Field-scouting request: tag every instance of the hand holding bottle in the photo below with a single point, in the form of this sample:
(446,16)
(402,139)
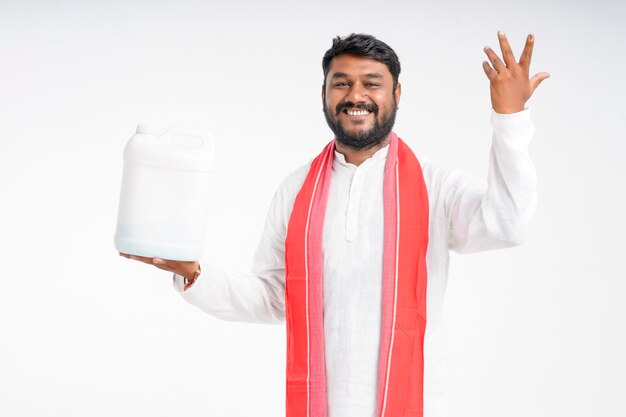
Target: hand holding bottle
(185,268)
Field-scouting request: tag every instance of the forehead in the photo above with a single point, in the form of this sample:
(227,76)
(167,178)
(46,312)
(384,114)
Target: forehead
(357,66)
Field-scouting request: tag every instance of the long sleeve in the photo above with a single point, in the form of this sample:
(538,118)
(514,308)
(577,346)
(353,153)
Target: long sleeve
(496,214)
(255,297)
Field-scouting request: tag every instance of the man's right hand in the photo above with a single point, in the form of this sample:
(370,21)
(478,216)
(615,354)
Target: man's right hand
(185,268)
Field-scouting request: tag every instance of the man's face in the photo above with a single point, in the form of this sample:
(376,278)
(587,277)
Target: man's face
(359,101)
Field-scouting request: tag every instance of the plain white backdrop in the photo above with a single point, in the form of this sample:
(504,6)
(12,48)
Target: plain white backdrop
(537,330)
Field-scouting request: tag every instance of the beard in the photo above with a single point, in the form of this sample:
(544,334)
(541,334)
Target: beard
(362,139)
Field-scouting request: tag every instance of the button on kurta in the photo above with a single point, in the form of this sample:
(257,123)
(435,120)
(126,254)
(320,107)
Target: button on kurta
(354,201)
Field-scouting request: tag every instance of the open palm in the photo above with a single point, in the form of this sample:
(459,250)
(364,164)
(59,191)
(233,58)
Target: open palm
(509,80)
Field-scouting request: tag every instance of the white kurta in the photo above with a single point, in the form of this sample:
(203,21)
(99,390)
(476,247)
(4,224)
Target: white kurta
(466,215)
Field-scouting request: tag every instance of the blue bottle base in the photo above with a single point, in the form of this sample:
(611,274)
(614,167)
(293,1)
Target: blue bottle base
(157,249)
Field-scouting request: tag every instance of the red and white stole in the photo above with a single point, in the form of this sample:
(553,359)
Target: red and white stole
(401,361)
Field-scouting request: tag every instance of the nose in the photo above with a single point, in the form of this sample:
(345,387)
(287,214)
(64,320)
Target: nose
(357,93)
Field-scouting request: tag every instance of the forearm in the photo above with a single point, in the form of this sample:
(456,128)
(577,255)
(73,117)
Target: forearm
(512,179)
(496,213)
(234,296)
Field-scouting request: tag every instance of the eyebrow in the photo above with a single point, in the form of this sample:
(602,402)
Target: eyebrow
(368,75)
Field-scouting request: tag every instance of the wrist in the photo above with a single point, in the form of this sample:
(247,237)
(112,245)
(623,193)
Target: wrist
(507,109)
(191,277)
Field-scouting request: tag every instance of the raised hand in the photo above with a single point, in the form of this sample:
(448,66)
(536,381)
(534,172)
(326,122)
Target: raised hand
(510,86)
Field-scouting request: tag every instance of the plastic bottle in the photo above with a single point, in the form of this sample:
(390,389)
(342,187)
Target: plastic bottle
(163,207)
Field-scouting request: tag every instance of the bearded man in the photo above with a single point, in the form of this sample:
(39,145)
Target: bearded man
(355,250)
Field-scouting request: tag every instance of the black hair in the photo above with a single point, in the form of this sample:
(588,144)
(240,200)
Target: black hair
(364,45)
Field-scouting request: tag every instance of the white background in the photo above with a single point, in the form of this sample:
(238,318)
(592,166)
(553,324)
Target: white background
(536,330)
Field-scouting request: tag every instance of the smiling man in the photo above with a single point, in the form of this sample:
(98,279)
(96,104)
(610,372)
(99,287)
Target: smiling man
(354,254)
(363,96)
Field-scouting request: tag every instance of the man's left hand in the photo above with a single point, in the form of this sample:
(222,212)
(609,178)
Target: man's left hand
(510,86)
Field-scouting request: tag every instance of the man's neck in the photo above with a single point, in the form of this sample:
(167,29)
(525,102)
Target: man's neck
(357,157)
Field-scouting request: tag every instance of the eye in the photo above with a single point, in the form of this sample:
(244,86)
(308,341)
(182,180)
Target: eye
(340,84)
(373,84)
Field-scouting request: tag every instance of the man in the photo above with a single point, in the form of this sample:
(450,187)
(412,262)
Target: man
(354,254)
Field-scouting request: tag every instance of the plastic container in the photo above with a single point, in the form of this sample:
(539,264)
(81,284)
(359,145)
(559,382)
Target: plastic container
(164,198)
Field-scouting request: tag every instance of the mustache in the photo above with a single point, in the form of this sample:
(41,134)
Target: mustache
(349,105)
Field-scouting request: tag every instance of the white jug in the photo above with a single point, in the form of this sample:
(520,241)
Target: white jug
(163,207)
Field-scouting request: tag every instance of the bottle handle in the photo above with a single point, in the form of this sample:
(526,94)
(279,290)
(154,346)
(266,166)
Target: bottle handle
(206,139)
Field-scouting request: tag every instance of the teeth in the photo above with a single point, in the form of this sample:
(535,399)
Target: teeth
(357,112)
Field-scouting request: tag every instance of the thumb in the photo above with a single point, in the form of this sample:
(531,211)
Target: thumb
(537,79)
(162,264)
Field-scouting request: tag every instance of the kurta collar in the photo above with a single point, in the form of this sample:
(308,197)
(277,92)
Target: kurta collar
(379,154)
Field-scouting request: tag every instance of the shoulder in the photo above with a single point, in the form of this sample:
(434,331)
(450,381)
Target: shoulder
(436,174)
(443,179)
(286,193)
(291,184)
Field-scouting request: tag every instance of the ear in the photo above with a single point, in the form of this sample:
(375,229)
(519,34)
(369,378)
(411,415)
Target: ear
(323,95)
(397,93)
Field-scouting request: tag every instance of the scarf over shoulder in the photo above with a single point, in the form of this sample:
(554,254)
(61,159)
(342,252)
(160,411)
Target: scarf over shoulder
(401,360)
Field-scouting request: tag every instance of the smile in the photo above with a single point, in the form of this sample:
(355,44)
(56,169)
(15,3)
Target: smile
(356,113)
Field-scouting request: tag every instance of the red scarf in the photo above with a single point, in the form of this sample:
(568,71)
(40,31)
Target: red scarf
(401,361)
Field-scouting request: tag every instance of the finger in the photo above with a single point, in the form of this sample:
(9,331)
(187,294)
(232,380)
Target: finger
(144,259)
(491,73)
(507,52)
(537,79)
(165,267)
(527,53)
(497,63)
